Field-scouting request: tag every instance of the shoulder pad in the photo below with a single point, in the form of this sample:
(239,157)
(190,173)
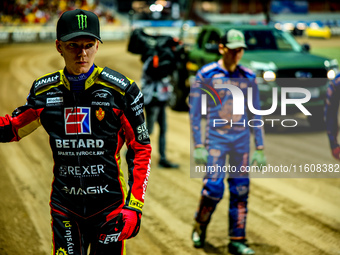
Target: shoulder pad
(46,80)
(337,80)
(115,78)
(208,67)
(246,70)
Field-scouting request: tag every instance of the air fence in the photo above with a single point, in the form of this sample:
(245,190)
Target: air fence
(36,33)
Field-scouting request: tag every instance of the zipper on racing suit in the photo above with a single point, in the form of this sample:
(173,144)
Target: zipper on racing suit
(82,181)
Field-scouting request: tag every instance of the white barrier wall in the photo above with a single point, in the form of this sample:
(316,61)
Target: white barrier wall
(30,34)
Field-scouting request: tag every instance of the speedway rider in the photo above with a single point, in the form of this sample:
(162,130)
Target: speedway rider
(331,115)
(228,137)
(88,112)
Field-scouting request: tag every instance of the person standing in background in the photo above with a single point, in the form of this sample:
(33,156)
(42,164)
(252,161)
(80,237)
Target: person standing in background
(331,115)
(156,84)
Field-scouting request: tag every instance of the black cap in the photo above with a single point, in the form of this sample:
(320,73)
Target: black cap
(76,23)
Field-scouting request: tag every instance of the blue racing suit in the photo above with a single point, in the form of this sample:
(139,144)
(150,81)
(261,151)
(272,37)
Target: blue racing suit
(331,111)
(225,134)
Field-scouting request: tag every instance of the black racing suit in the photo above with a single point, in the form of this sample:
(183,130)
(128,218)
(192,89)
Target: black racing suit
(87,131)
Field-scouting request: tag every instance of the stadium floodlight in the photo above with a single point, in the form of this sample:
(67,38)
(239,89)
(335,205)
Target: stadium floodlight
(156,8)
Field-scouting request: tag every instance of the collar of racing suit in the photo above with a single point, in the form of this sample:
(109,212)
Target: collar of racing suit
(91,79)
(78,81)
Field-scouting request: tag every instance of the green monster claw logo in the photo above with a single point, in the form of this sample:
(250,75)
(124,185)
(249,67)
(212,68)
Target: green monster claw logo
(82,21)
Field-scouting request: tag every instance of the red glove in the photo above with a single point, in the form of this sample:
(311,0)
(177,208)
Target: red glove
(336,152)
(131,220)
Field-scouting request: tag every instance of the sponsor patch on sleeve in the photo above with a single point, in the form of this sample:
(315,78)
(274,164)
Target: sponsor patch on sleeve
(134,203)
(115,78)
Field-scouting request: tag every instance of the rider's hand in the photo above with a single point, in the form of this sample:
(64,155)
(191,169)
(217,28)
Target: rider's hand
(259,158)
(131,220)
(201,155)
(336,152)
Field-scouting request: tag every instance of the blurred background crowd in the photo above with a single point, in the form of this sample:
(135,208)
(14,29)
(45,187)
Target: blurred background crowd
(17,12)
(311,18)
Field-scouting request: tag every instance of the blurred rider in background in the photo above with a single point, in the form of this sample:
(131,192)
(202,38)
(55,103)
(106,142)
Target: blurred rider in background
(231,138)
(331,115)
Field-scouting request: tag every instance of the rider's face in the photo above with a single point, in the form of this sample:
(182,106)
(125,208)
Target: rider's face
(79,53)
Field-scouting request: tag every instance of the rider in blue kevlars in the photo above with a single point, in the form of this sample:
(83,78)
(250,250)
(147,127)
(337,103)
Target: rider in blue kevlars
(226,134)
(331,115)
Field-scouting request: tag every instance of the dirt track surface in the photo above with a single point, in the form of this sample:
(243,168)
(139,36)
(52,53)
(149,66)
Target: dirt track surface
(287,216)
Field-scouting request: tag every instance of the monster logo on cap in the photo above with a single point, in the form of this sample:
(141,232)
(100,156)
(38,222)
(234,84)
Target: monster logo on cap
(76,23)
(82,21)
